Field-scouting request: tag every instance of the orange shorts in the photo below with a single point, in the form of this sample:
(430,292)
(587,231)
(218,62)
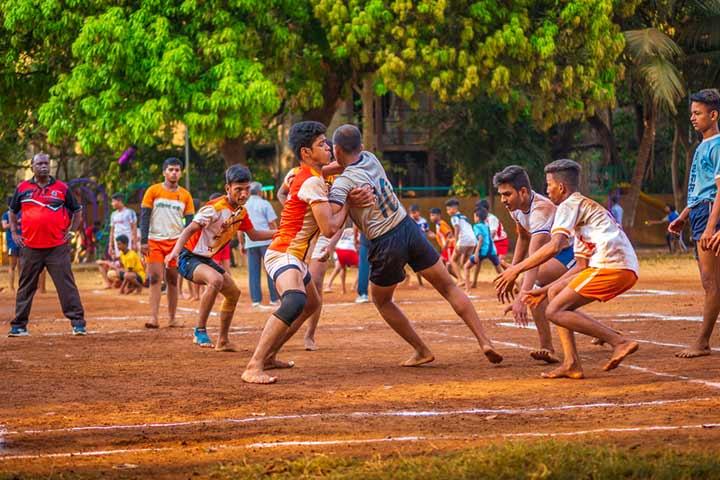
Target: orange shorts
(603,283)
(158,250)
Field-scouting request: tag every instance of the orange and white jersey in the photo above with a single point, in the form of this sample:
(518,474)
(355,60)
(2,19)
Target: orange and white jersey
(297,223)
(539,218)
(168,211)
(597,236)
(220,224)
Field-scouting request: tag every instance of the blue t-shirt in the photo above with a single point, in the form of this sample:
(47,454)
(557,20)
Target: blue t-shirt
(488,246)
(705,169)
(8,235)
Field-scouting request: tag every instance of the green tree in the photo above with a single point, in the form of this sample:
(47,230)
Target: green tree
(224,69)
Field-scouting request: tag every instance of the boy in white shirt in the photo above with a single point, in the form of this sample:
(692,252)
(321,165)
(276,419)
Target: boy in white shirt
(463,231)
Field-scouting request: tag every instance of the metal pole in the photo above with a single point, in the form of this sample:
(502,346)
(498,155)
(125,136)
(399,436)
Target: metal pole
(187,158)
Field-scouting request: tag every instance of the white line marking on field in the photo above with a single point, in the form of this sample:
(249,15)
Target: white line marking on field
(707,383)
(315,443)
(390,413)
(660,316)
(650,292)
(92,453)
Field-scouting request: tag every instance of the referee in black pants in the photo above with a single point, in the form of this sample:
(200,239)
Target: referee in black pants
(49,216)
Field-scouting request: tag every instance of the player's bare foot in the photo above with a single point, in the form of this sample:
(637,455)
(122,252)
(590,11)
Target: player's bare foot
(621,351)
(225,347)
(310,345)
(694,352)
(176,324)
(257,376)
(418,359)
(274,363)
(565,371)
(151,325)
(545,355)
(491,354)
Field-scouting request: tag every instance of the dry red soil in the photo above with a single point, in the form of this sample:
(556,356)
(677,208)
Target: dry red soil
(125,395)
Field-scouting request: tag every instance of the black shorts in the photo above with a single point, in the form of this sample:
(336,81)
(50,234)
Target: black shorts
(403,245)
(188,262)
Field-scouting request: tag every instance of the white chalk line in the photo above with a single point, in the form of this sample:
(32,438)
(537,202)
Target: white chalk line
(379,414)
(650,292)
(707,383)
(92,453)
(660,316)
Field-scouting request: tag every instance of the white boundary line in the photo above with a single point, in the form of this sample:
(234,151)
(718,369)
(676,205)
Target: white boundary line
(388,413)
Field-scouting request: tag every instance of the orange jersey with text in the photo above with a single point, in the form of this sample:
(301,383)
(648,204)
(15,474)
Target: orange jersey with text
(168,211)
(220,224)
(298,226)
(442,232)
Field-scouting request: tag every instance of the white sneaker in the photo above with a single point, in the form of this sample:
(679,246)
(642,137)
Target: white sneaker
(276,303)
(255,304)
(362,299)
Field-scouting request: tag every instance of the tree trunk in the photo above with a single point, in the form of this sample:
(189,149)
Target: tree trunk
(646,144)
(233,151)
(368,114)
(674,168)
(332,91)
(606,137)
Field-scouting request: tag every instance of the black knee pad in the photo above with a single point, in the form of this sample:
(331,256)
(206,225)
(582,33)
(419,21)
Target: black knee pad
(292,303)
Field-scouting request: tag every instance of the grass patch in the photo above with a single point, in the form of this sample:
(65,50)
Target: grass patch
(510,460)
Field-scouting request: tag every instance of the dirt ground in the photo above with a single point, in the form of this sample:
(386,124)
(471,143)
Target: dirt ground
(129,402)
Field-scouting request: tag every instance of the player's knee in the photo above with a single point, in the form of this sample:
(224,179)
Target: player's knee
(292,304)
(216,283)
(709,283)
(231,297)
(154,278)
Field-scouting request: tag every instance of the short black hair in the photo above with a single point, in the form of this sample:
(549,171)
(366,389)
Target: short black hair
(122,239)
(670,206)
(482,204)
(709,97)
(513,175)
(237,174)
(414,207)
(215,195)
(118,196)
(566,171)
(482,213)
(453,202)
(172,161)
(435,210)
(348,137)
(303,134)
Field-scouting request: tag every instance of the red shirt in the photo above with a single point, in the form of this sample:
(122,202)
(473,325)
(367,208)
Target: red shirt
(45,212)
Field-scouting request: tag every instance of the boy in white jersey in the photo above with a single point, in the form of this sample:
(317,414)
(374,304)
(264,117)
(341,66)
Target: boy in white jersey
(466,241)
(534,215)
(613,268)
(396,241)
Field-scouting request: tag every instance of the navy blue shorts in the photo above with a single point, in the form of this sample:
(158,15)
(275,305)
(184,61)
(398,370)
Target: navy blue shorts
(188,262)
(566,257)
(403,245)
(492,257)
(699,216)
(14,251)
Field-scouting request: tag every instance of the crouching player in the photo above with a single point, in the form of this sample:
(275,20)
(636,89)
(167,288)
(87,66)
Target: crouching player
(213,226)
(613,268)
(133,273)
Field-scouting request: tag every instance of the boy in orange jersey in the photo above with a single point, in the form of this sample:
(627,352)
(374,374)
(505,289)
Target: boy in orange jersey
(612,269)
(307,212)
(166,209)
(214,225)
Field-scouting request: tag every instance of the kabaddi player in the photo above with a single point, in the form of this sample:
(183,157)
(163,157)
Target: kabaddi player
(703,212)
(613,268)
(396,241)
(214,225)
(307,211)
(166,209)
(465,242)
(534,215)
(443,234)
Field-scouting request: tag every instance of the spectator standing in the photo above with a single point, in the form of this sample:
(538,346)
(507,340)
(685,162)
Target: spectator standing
(50,215)
(123,221)
(616,210)
(263,217)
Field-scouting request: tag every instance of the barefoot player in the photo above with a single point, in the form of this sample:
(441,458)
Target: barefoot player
(307,212)
(395,241)
(612,270)
(534,215)
(214,225)
(166,209)
(703,211)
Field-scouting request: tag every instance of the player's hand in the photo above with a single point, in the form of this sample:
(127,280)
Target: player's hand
(17,238)
(144,249)
(519,311)
(533,298)
(504,284)
(676,226)
(705,239)
(714,243)
(361,197)
(68,236)
(170,257)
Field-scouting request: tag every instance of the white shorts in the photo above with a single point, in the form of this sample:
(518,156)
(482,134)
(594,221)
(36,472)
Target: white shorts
(321,245)
(278,262)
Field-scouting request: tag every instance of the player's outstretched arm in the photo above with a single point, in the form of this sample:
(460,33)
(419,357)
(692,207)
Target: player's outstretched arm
(505,281)
(260,234)
(330,217)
